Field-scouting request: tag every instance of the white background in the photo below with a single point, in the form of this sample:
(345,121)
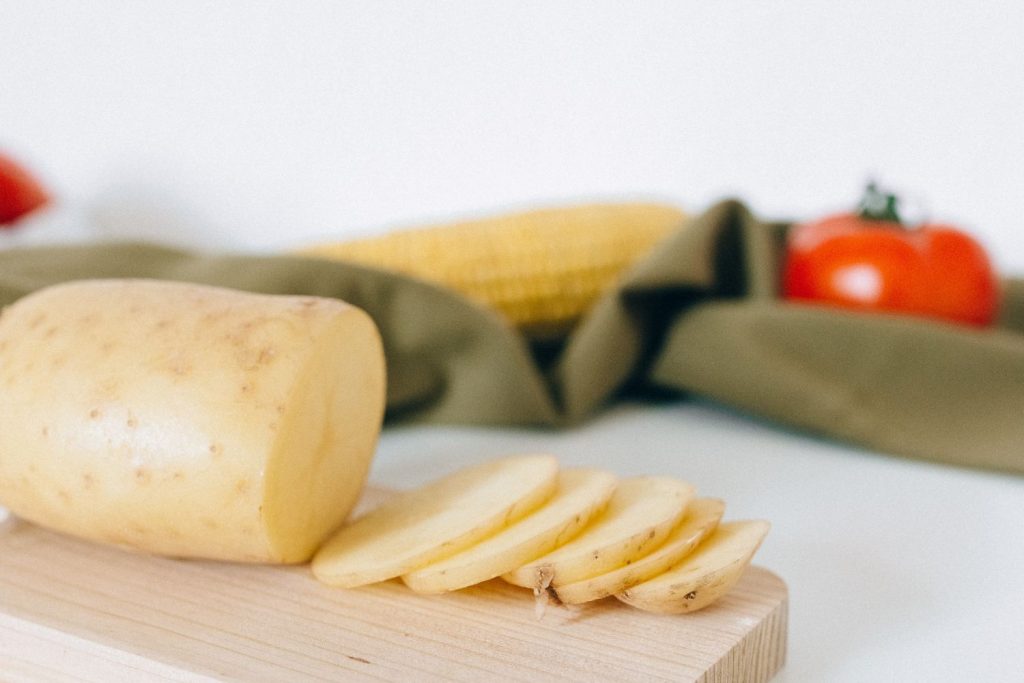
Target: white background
(264,125)
(273,123)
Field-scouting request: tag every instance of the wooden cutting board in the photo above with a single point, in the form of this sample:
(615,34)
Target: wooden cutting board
(76,611)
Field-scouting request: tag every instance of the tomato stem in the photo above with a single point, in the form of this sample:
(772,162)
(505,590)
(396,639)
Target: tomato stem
(877,205)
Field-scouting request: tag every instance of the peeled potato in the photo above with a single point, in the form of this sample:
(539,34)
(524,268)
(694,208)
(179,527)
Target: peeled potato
(705,575)
(639,517)
(436,521)
(581,494)
(702,516)
(187,420)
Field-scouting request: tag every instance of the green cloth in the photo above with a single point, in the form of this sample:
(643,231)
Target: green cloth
(699,315)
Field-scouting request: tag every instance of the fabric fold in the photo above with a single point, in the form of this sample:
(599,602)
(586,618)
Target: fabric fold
(896,385)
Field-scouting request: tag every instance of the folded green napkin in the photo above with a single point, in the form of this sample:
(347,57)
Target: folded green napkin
(700,315)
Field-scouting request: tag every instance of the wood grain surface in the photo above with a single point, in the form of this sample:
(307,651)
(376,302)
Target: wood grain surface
(71,610)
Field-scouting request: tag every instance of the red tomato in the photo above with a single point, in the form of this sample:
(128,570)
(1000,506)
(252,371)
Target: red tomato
(20,193)
(871,262)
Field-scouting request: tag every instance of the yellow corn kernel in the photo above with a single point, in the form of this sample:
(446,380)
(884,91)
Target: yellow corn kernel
(541,269)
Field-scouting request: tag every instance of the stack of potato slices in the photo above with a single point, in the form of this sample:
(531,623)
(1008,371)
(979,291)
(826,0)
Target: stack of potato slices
(573,535)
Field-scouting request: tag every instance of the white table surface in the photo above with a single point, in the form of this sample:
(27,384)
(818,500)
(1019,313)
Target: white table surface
(898,570)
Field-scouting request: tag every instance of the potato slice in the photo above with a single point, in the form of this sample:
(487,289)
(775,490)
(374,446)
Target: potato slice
(705,575)
(436,521)
(639,518)
(702,516)
(581,495)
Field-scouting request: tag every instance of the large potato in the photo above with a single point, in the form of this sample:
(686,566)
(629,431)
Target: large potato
(187,420)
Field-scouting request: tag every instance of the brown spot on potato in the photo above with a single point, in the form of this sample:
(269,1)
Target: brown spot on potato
(95,413)
(690,596)
(65,496)
(88,481)
(143,476)
(37,320)
(242,486)
(162,324)
(307,307)
(178,475)
(210,523)
(45,431)
(246,388)
(266,356)
(181,368)
(107,389)
(216,449)
(51,332)
(131,423)
(107,347)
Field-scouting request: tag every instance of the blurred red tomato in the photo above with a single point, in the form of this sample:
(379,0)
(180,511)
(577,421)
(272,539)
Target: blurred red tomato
(869,261)
(20,193)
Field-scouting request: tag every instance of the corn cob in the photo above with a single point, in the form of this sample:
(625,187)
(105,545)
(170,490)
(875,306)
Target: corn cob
(542,270)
